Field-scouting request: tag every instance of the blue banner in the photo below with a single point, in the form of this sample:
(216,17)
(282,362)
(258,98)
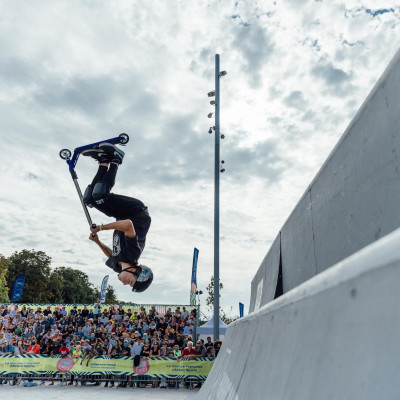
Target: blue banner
(103,289)
(18,287)
(241,310)
(193,286)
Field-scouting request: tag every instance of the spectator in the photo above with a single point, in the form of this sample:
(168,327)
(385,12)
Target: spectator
(200,349)
(217,347)
(34,348)
(189,351)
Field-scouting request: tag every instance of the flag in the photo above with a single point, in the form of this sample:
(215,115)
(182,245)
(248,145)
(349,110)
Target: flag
(241,310)
(193,286)
(18,287)
(103,289)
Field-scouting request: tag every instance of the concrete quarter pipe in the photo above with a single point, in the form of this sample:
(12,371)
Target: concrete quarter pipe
(335,333)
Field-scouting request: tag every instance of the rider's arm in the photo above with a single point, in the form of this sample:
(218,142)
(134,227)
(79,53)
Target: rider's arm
(105,249)
(124,225)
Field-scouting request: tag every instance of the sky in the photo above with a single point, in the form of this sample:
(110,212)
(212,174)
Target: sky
(77,72)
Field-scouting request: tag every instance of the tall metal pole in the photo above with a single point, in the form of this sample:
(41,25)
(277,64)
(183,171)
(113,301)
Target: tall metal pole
(216,202)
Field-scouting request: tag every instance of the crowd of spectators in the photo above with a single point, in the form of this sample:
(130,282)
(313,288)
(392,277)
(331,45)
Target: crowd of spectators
(90,331)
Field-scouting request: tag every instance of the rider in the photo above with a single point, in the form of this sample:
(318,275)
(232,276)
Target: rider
(132,220)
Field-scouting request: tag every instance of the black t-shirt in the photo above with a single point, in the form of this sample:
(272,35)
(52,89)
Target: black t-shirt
(125,249)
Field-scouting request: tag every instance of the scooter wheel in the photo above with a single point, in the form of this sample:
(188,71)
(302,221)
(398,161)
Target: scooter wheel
(124,138)
(65,154)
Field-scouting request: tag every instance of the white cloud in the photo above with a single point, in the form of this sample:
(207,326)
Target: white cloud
(81,71)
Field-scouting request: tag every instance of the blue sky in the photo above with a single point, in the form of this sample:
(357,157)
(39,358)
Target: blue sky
(74,72)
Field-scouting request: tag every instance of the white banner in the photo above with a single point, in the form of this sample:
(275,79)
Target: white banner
(103,289)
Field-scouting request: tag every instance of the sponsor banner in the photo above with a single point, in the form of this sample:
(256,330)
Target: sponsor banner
(193,286)
(18,287)
(103,289)
(102,365)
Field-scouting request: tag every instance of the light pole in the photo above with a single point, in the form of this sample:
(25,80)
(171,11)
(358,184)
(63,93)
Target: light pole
(217,170)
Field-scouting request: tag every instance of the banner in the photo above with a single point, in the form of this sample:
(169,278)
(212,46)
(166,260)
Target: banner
(18,287)
(102,365)
(103,289)
(193,286)
(241,310)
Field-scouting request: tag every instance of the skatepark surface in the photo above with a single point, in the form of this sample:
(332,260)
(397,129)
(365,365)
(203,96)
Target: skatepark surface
(88,392)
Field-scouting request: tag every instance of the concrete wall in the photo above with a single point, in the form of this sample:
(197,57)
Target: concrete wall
(264,283)
(336,336)
(354,199)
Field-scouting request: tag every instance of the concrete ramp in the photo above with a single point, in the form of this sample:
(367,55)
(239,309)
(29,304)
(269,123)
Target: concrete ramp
(352,202)
(336,336)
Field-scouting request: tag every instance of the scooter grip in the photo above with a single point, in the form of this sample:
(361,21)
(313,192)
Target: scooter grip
(93,227)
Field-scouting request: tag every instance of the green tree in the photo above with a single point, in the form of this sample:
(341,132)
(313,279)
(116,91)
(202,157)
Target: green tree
(68,285)
(35,265)
(225,317)
(4,263)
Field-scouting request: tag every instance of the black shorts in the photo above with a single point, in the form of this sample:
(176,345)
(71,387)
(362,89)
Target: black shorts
(124,207)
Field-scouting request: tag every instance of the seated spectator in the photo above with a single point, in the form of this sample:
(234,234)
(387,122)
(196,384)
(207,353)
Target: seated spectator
(165,350)
(155,350)
(145,351)
(200,349)
(177,352)
(19,350)
(63,350)
(217,347)
(189,351)
(34,348)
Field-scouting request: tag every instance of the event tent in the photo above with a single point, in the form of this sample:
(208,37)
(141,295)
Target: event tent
(208,329)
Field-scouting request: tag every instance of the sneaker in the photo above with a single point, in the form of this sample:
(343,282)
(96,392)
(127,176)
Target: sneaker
(114,153)
(99,155)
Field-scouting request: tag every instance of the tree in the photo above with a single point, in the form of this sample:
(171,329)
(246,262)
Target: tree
(35,265)
(68,285)
(210,303)
(4,263)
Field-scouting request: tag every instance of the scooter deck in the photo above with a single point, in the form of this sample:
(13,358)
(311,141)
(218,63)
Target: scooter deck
(116,140)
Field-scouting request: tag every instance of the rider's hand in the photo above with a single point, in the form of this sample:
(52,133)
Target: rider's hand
(95,230)
(94,237)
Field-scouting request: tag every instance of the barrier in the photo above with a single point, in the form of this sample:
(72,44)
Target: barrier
(158,367)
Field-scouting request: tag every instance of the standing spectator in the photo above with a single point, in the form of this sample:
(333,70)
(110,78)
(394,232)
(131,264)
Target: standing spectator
(137,348)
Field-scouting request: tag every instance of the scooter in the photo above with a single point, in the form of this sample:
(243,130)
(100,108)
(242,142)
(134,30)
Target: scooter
(66,154)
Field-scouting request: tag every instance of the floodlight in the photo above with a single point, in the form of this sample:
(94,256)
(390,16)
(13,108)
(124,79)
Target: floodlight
(210,115)
(222,73)
(211,94)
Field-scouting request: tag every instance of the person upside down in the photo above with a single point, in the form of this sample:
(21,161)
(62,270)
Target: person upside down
(132,220)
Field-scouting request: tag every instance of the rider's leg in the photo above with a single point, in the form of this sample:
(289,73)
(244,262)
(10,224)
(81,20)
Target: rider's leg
(87,197)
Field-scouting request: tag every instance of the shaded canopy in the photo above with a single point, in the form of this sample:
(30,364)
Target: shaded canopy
(208,328)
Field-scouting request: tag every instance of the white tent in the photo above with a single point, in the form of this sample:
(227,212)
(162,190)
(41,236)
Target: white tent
(208,329)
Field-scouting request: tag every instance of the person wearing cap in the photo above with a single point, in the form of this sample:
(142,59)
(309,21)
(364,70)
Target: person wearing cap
(132,220)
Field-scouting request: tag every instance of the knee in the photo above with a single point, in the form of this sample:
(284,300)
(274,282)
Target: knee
(100,192)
